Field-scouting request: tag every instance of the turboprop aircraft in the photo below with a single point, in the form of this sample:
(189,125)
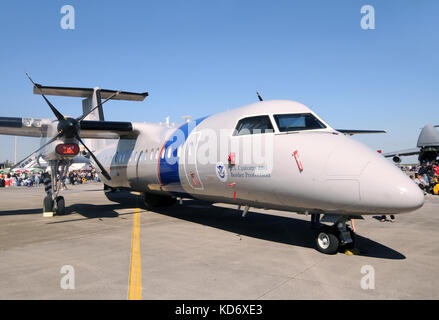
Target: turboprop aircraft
(427,147)
(274,154)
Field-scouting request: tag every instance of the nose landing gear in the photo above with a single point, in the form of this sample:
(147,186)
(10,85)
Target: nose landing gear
(331,239)
(52,201)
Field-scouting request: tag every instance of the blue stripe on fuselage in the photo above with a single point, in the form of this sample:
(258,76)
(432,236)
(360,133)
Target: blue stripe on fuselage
(168,167)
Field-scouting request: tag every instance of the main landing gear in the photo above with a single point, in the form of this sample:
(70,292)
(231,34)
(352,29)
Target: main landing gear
(155,200)
(331,239)
(52,185)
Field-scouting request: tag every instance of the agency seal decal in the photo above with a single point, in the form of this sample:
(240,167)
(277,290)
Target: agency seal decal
(221,172)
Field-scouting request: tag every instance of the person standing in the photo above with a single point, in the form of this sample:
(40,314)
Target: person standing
(384,218)
(353,225)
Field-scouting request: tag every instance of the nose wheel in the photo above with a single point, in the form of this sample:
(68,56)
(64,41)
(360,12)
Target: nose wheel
(330,240)
(327,241)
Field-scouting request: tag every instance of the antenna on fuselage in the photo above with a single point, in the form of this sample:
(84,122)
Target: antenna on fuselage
(259,96)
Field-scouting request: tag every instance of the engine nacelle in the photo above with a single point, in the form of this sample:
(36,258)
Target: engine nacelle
(396,159)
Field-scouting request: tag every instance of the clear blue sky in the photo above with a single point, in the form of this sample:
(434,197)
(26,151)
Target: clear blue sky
(201,57)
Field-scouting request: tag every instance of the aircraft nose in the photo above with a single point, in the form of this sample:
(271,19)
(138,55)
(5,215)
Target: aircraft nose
(388,190)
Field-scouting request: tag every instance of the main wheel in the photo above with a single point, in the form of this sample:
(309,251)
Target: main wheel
(327,241)
(48,203)
(155,200)
(60,205)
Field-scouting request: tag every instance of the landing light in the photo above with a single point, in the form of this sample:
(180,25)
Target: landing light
(67,149)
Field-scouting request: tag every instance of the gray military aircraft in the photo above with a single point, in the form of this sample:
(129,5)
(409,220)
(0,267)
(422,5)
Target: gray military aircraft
(274,154)
(427,147)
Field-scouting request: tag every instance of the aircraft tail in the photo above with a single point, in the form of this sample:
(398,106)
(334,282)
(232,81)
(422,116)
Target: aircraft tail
(93,97)
(93,100)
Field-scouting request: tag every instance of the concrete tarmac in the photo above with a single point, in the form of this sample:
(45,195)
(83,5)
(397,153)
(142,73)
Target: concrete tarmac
(202,251)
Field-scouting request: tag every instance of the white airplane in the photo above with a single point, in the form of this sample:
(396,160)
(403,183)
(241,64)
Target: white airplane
(271,154)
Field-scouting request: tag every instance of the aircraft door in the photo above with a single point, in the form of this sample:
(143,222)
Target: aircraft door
(190,161)
(137,167)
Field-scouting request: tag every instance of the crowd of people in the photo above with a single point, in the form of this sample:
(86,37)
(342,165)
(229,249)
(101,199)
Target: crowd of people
(34,179)
(81,176)
(27,179)
(426,176)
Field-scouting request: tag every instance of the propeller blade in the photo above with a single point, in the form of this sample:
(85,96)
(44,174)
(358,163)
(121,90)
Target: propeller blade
(112,96)
(259,96)
(103,171)
(58,114)
(44,145)
(99,104)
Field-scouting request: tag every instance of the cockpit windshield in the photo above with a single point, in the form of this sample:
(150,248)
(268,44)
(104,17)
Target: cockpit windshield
(253,125)
(297,122)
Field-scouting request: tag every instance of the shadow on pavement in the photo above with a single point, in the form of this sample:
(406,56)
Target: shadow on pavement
(286,230)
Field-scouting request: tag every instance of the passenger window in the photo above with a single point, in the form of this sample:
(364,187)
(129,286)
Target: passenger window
(253,125)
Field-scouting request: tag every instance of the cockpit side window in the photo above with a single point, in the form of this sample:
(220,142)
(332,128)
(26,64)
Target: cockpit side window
(253,125)
(297,122)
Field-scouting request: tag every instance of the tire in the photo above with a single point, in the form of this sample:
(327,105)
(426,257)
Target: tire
(60,206)
(48,203)
(327,241)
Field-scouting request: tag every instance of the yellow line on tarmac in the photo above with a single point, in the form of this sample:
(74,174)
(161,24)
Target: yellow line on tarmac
(135,282)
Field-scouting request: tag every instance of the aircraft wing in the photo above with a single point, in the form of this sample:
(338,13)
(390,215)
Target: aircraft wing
(406,152)
(29,127)
(351,132)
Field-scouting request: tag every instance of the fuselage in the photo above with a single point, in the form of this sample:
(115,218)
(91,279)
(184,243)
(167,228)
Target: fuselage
(273,154)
